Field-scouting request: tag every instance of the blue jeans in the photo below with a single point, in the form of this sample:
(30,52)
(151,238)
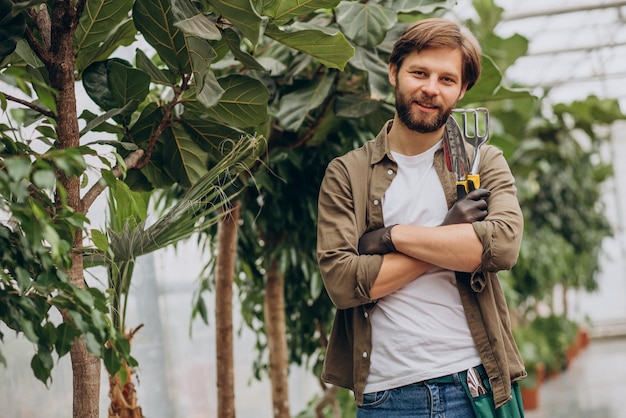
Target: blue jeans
(418,400)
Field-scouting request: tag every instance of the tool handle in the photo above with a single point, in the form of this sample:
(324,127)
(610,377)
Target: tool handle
(474,180)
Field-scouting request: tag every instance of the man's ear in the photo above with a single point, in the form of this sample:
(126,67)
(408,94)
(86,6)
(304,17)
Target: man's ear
(393,74)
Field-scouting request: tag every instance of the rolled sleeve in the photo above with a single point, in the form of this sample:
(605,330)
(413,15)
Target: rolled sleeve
(501,231)
(348,277)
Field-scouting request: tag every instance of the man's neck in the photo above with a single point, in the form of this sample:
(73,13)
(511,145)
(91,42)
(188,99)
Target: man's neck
(408,142)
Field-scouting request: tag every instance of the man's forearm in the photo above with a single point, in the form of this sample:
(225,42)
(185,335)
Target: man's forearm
(453,247)
(396,271)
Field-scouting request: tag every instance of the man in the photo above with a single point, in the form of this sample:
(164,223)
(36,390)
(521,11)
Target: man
(391,237)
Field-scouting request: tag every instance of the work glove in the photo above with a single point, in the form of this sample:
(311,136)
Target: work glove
(471,208)
(377,242)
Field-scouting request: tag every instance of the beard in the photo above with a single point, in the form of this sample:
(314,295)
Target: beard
(417,121)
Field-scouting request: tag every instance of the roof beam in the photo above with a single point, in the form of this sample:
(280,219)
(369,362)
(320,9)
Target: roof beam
(560,10)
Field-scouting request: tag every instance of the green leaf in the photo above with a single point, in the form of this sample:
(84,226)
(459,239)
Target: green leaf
(368,60)
(157,75)
(66,334)
(111,361)
(333,51)
(18,168)
(98,21)
(282,11)
(365,24)
(186,162)
(155,21)
(210,136)
(355,106)
(12,28)
(241,14)
(101,119)
(96,84)
(208,90)
(243,104)
(422,7)
(193,22)
(100,240)
(41,364)
(234,44)
(45,179)
(295,106)
(123,34)
(127,84)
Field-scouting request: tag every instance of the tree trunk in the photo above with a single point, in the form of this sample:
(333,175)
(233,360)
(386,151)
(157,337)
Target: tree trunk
(227,249)
(275,327)
(60,64)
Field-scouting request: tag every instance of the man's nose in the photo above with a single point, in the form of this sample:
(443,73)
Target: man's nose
(431,86)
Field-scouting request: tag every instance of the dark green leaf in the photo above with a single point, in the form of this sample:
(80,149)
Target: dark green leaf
(243,104)
(98,21)
(333,51)
(282,11)
(295,106)
(186,161)
(364,23)
(66,334)
(241,14)
(154,19)
(234,44)
(127,84)
(42,365)
(157,75)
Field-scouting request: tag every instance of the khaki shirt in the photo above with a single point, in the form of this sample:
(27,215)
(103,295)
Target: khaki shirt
(350,204)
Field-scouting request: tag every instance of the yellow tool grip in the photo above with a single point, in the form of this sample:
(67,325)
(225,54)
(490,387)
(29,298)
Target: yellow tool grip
(474,178)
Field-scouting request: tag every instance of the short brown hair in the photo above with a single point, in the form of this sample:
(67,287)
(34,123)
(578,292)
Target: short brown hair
(439,33)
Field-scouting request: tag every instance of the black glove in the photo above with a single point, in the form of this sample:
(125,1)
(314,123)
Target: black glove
(377,242)
(471,208)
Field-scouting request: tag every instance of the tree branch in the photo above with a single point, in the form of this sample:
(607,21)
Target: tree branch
(132,161)
(42,54)
(165,120)
(30,105)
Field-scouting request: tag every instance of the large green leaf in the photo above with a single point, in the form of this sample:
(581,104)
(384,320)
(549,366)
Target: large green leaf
(114,84)
(185,161)
(127,84)
(282,11)
(243,104)
(334,51)
(241,14)
(208,90)
(234,44)
(123,34)
(418,6)
(154,19)
(12,28)
(194,22)
(295,106)
(95,24)
(156,74)
(367,60)
(364,23)
(211,136)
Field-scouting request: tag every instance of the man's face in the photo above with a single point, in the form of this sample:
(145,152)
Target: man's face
(428,86)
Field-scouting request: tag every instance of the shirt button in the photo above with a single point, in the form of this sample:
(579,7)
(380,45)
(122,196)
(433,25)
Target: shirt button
(376,202)
(390,171)
(364,354)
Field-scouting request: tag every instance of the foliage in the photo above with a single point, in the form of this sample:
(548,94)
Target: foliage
(35,241)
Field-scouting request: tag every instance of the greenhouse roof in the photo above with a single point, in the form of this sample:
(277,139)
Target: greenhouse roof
(577,47)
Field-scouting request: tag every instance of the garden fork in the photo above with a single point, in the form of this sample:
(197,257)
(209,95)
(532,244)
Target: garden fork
(474,136)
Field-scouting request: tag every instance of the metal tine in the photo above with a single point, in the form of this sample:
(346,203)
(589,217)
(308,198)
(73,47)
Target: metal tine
(478,138)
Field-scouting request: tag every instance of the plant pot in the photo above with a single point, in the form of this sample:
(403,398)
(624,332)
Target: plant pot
(530,397)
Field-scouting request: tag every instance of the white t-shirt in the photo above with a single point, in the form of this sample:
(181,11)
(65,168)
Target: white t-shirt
(420,331)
